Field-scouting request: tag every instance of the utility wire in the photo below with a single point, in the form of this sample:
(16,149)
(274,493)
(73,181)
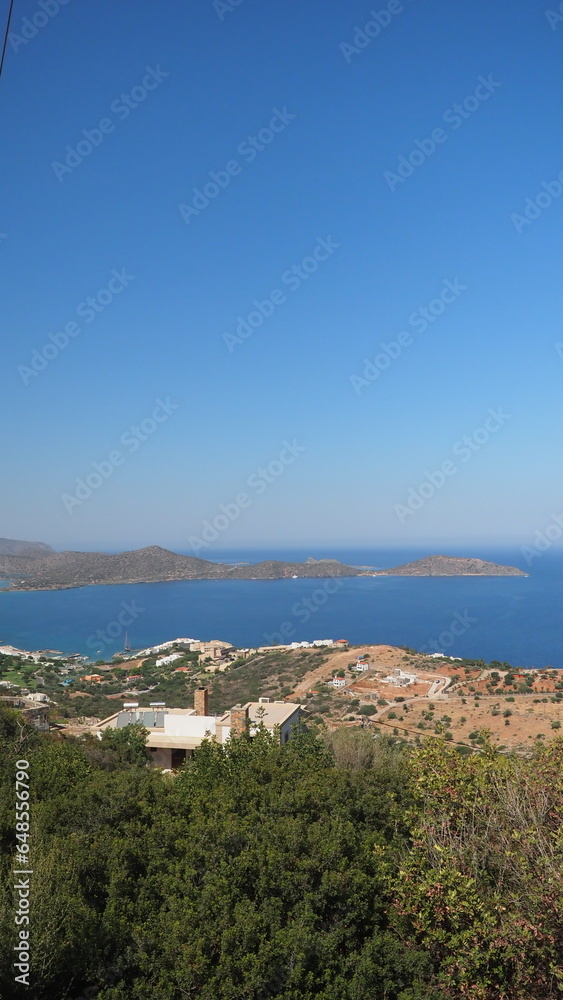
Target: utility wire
(5,45)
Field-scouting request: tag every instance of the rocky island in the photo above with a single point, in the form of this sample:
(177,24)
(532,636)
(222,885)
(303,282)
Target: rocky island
(450,566)
(39,569)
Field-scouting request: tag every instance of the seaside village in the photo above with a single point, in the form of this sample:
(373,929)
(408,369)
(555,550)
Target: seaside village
(333,683)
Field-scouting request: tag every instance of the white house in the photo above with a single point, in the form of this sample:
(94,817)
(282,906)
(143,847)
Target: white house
(399,678)
(164,661)
(174,733)
(361,666)
(338,682)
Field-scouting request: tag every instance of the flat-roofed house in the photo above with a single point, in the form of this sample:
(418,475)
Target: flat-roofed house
(165,661)
(174,733)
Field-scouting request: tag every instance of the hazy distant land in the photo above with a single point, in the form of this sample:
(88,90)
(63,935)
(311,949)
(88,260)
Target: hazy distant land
(39,568)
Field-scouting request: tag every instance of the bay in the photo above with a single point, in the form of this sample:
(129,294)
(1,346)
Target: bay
(512,619)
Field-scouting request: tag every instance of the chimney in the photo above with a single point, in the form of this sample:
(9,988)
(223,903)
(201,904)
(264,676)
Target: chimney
(239,720)
(201,701)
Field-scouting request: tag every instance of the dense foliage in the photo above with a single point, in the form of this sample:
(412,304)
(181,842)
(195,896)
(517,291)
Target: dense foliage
(343,868)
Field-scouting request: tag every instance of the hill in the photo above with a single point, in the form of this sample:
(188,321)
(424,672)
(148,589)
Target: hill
(39,568)
(59,570)
(28,550)
(451,566)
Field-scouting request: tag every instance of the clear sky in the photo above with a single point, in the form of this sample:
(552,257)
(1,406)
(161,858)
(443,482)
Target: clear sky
(302,112)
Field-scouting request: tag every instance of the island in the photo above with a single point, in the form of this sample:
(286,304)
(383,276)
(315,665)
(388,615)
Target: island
(450,566)
(40,570)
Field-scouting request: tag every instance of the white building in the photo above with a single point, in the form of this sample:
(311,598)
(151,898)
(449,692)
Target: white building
(361,666)
(174,733)
(164,661)
(399,678)
(186,643)
(338,682)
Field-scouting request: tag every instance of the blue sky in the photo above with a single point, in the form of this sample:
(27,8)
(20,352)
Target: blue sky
(345,107)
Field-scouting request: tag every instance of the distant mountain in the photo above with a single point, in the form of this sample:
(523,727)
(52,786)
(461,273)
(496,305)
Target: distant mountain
(28,550)
(451,566)
(60,570)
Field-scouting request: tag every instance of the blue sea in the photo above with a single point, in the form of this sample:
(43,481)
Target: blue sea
(512,619)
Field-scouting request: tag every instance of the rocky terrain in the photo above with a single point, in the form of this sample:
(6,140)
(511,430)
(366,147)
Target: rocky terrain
(451,566)
(40,568)
(153,564)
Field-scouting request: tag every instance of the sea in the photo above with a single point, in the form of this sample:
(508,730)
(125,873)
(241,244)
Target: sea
(516,620)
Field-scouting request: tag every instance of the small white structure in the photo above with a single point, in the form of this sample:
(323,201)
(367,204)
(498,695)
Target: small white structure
(399,678)
(185,643)
(164,661)
(361,666)
(338,682)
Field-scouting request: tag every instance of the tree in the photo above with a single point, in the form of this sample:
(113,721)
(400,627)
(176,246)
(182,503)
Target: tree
(352,748)
(124,746)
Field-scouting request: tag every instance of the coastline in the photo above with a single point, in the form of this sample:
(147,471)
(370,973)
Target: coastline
(45,588)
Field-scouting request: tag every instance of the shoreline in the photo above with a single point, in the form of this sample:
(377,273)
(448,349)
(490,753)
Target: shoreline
(520,574)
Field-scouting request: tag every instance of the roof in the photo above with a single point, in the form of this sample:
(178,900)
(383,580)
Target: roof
(159,739)
(275,712)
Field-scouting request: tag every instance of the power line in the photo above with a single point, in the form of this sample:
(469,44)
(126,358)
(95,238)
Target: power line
(5,45)
(401,729)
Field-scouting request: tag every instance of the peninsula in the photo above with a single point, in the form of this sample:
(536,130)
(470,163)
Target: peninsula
(62,570)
